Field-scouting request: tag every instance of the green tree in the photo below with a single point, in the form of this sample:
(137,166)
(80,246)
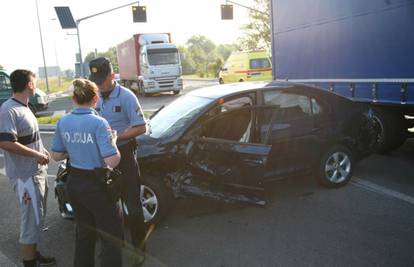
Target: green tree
(257,31)
(187,61)
(224,50)
(202,51)
(110,53)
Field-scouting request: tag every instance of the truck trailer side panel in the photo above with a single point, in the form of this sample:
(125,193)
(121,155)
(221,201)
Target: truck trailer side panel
(128,61)
(353,39)
(359,49)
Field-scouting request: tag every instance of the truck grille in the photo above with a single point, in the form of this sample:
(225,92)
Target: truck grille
(165,82)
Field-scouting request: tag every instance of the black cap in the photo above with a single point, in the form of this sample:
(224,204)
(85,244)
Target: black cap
(100,69)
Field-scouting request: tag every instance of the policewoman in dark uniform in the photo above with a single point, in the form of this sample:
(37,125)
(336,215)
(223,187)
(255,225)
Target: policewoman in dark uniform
(89,142)
(121,108)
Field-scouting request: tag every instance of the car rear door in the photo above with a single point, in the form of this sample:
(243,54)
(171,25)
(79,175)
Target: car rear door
(226,161)
(291,133)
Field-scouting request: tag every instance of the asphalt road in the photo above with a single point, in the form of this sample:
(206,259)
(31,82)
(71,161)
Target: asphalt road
(147,103)
(369,222)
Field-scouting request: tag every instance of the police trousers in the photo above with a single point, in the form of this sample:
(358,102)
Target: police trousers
(131,192)
(95,216)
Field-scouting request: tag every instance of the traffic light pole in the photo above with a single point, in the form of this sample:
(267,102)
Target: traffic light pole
(80,51)
(88,17)
(43,51)
(250,8)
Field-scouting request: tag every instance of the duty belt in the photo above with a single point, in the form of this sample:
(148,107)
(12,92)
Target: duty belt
(82,172)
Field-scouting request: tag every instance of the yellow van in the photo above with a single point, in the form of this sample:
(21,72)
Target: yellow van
(246,66)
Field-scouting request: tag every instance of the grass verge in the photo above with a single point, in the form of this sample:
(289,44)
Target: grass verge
(49,119)
(54,84)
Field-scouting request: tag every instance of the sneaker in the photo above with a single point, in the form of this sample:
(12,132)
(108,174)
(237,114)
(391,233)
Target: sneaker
(45,261)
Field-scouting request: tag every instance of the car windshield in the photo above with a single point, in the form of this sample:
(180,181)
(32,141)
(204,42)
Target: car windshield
(163,57)
(176,115)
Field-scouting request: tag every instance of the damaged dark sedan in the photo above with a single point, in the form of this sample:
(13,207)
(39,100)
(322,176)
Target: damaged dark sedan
(225,142)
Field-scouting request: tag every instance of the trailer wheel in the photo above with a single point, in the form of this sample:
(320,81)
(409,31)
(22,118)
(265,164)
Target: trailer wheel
(141,90)
(391,130)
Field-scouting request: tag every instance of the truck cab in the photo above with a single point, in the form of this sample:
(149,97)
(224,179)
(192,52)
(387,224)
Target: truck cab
(161,68)
(151,63)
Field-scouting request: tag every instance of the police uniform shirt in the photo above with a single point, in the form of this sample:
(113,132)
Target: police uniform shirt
(121,109)
(18,124)
(86,138)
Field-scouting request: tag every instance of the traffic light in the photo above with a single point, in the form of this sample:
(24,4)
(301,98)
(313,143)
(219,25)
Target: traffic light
(226,11)
(139,13)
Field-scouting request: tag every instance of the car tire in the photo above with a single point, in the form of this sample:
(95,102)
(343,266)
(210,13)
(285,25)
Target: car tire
(336,167)
(156,209)
(176,92)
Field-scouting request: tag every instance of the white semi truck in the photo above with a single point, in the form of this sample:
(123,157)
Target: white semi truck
(150,63)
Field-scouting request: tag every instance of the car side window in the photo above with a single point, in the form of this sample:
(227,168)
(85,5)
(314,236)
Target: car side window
(4,82)
(259,63)
(290,106)
(235,125)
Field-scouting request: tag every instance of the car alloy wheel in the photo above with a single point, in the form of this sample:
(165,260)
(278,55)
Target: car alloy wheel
(338,167)
(149,203)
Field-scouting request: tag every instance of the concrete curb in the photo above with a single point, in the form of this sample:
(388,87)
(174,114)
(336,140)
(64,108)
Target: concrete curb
(201,79)
(47,127)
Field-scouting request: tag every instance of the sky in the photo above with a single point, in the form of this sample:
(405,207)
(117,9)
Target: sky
(20,45)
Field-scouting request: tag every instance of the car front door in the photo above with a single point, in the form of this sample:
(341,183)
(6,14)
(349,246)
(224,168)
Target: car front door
(225,160)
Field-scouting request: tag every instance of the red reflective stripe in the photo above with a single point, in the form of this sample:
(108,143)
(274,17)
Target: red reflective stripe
(253,71)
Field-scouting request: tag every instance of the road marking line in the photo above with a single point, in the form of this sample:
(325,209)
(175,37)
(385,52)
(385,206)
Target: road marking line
(2,170)
(381,190)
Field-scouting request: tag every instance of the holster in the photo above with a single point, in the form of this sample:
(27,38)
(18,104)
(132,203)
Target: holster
(111,179)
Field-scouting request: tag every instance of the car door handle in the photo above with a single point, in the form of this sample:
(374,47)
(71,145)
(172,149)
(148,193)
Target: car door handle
(255,161)
(315,129)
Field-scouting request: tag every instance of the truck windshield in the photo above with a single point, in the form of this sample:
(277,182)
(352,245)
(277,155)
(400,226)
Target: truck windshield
(163,56)
(176,115)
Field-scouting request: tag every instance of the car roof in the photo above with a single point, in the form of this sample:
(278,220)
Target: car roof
(218,91)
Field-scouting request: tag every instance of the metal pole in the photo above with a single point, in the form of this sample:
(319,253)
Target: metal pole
(250,8)
(80,49)
(88,17)
(106,11)
(43,51)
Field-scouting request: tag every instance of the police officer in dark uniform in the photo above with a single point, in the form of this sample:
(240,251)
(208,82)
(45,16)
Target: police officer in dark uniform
(121,108)
(89,142)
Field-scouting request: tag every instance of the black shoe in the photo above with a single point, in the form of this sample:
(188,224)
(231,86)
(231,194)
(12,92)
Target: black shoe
(45,261)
